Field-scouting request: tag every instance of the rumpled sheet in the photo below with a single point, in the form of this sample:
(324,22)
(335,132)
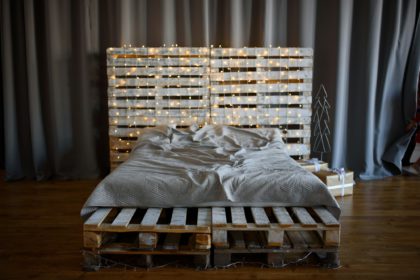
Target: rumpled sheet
(211,166)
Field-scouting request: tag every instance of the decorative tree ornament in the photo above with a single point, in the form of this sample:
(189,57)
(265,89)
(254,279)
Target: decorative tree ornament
(321,122)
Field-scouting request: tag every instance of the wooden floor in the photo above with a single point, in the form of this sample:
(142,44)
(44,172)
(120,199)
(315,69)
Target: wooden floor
(41,235)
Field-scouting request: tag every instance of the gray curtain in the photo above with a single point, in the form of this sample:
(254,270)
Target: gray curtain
(53,72)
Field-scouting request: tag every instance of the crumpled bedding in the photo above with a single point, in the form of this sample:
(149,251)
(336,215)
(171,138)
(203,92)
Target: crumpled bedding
(211,166)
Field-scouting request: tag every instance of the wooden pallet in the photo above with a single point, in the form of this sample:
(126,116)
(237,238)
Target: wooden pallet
(277,232)
(245,87)
(148,232)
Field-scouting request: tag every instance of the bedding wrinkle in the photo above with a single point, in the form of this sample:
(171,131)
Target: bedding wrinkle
(211,166)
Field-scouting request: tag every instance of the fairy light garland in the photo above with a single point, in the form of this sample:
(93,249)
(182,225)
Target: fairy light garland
(236,86)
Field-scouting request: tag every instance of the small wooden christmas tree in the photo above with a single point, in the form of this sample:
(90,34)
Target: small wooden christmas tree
(321,122)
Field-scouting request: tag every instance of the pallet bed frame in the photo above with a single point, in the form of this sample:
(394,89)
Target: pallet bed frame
(274,231)
(244,87)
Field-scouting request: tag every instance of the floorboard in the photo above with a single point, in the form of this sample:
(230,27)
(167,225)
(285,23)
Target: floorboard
(41,235)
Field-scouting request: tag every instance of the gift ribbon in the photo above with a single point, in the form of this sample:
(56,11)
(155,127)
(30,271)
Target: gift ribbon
(316,163)
(341,172)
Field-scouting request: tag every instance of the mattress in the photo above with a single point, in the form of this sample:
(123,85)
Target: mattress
(210,166)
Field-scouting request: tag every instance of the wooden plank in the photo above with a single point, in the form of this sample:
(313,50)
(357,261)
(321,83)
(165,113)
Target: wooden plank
(255,88)
(151,217)
(97,218)
(311,239)
(148,240)
(260,217)
(234,62)
(152,61)
(260,99)
(157,81)
(282,216)
(219,238)
(304,217)
(238,217)
(168,119)
(265,75)
(124,217)
(235,52)
(151,92)
(218,216)
(173,51)
(275,237)
(204,217)
(172,241)
(297,240)
(179,218)
(152,71)
(326,217)
(149,51)
(237,240)
(249,119)
(268,112)
(332,237)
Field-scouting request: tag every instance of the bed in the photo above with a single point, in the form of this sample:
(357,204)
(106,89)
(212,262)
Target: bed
(201,143)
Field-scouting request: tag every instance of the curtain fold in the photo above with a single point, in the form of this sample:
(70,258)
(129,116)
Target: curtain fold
(54,87)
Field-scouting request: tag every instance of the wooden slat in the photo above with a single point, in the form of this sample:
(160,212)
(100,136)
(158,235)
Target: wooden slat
(253,88)
(259,62)
(275,237)
(157,81)
(169,119)
(124,217)
(238,217)
(204,217)
(151,61)
(304,217)
(326,217)
(151,104)
(173,51)
(272,112)
(179,218)
(261,120)
(134,92)
(151,217)
(218,217)
(260,217)
(297,240)
(259,99)
(172,241)
(96,219)
(264,75)
(282,216)
(219,238)
(152,71)
(235,52)
(312,239)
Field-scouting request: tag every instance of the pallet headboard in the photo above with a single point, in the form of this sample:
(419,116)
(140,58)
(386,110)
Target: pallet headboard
(247,87)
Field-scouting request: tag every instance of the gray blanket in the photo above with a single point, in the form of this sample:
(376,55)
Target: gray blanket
(211,166)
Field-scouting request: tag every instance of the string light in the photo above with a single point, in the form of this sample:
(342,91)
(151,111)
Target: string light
(243,84)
